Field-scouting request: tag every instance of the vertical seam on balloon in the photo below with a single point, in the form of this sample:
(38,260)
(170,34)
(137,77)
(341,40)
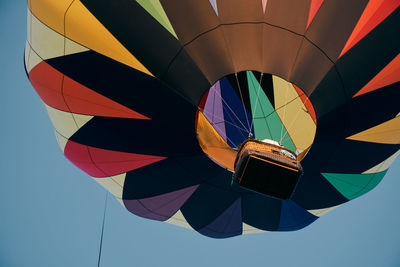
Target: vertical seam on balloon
(62,92)
(230,218)
(297,55)
(63,76)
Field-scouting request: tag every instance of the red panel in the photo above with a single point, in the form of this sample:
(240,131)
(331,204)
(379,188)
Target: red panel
(375,12)
(388,75)
(306,103)
(83,100)
(63,93)
(315,5)
(99,162)
(47,82)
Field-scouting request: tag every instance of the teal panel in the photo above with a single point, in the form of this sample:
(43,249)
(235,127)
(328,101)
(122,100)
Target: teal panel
(267,124)
(354,185)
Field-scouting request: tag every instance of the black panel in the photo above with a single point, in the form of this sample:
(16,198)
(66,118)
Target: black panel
(168,175)
(357,157)
(206,204)
(371,54)
(267,85)
(129,87)
(137,136)
(138,31)
(373,108)
(241,88)
(329,94)
(261,211)
(315,192)
(186,78)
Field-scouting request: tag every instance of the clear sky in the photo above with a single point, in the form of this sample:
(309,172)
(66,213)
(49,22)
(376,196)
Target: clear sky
(51,212)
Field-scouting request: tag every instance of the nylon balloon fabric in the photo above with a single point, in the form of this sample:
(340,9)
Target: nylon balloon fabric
(152,98)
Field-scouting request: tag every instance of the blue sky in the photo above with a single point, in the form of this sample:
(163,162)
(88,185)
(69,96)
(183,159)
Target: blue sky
(51,212)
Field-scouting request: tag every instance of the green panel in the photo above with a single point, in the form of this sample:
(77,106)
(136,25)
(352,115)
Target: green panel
(155,9)
(354,185)
(267,124)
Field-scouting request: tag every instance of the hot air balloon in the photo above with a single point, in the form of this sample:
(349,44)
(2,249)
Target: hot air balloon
(223,116)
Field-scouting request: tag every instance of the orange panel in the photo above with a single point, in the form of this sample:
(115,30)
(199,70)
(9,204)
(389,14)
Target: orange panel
(388,75)
(50,12)
(83,100)
(375,12)
(84,28)
(315,5)
(213,144)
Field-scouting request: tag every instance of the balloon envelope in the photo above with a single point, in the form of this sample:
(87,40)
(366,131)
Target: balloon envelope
(152,99)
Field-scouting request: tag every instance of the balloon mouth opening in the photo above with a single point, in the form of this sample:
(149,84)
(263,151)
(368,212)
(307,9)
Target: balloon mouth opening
(250,104)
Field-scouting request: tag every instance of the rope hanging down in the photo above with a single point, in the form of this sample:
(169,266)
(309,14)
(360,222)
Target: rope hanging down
(102,230)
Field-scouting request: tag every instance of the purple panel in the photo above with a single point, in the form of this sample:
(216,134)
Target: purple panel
(228,224)
(213,109)
(161,207)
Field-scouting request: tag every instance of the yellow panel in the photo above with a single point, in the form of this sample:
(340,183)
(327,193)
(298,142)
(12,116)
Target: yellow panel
(385,133)
(298,123)
(213,144)
(50,12)
(49,44)
(384,165)
(320,212)
(284,92)
(64,122)
(179,220)
(82,27)
(293,114)
(114,184)
(248,229)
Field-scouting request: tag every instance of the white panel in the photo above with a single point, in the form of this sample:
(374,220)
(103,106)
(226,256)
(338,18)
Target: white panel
(214,5)
(61,140)
(72,48)
(320,212)
(46,42)
(179,219)
(28,28)
(80,119)
(248,229)
(33,59)
(114,184)
(49,44)
(384,165)
(64,122)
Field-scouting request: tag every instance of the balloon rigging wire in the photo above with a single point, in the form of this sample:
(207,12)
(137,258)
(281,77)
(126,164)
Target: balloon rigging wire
(223,120)
(241,97)
(297,114)
(102,230)
(255,108)
(284,115)
(232,111)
